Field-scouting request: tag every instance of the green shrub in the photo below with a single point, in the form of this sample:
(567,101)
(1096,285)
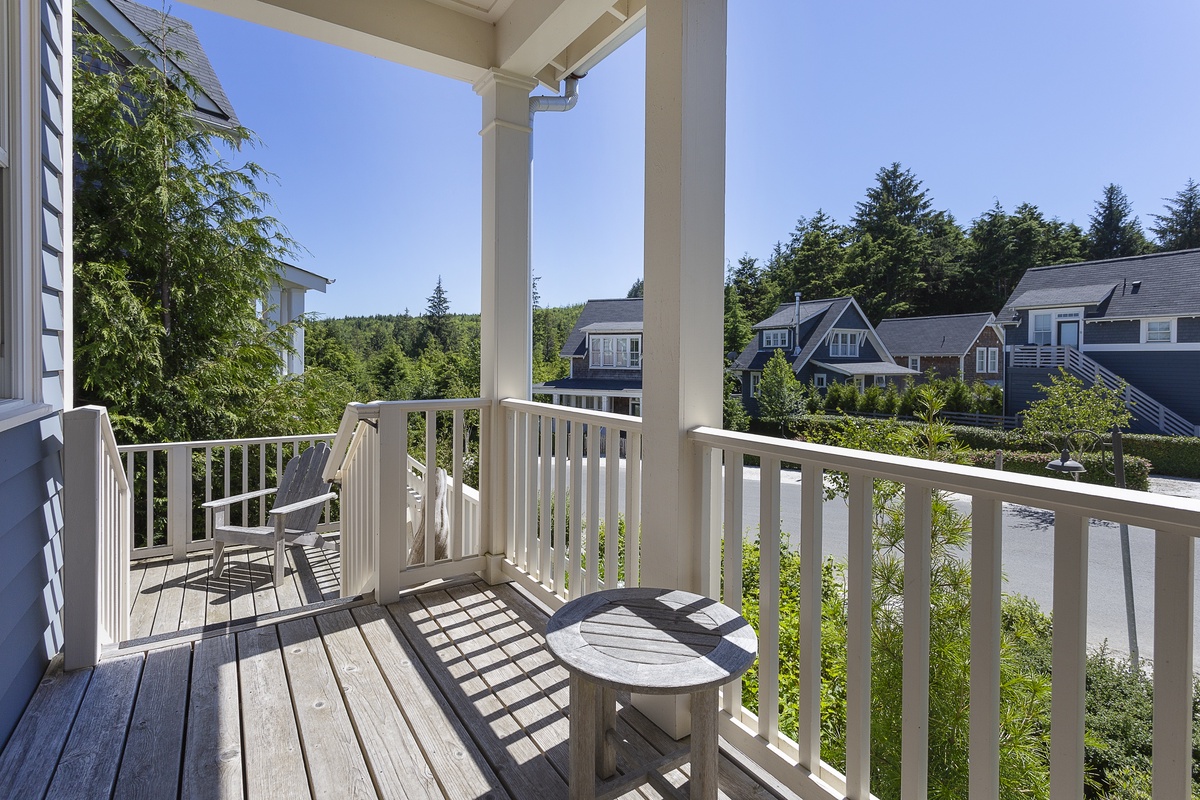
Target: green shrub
(1137,470)
(1170,455)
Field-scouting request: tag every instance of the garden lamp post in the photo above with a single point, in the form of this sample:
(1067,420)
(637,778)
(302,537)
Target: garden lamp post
(1068,465)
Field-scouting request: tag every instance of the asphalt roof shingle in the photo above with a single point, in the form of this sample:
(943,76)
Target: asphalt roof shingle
(612,314)
(1169,285)
(947,335)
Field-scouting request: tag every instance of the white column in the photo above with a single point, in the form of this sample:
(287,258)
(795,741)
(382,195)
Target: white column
(684,273)
(506,321)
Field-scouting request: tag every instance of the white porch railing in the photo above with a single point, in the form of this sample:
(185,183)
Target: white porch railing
(1091,372)
(574,482)
(171,480)
(798,762)
(381,499)
(96,537)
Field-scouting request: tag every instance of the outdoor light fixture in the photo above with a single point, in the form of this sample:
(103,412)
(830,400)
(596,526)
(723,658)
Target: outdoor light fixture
(1066,465)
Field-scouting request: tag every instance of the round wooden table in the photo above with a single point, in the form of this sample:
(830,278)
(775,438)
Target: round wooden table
(648,641)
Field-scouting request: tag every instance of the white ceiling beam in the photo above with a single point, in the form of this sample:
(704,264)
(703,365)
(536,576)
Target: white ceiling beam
(533,32)
(416,33)
(602,37)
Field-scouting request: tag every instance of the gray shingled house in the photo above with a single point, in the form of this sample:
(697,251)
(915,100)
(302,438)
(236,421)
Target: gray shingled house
(951,345)
(605,349)
(1134,320)
(824,341)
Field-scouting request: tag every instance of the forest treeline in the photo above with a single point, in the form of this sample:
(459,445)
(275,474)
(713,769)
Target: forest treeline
(899,256)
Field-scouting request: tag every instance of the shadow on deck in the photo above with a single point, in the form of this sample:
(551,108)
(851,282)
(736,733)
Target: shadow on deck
(449,693)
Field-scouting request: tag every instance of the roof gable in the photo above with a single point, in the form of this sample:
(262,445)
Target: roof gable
(946,335)
(622,316)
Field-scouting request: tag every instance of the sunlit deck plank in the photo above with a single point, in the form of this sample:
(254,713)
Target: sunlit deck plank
(155,742)
(27,763)
(145,601)
(212,759)
(274,763)
(169,612)
(195,592)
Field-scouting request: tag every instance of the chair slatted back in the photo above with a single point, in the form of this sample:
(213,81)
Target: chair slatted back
(301,480)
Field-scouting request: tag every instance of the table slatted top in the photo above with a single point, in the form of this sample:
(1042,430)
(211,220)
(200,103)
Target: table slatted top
(656,641)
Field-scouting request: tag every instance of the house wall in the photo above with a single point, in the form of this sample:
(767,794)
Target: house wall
(942,366)
(580,369)
(1120,332)
(1189,329)
(30,454)
(987,338)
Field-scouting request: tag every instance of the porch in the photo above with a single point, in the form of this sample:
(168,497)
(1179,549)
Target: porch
(446,693)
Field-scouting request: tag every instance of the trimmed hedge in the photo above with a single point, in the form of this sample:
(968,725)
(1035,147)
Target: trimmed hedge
(1137,470)
(1167,455)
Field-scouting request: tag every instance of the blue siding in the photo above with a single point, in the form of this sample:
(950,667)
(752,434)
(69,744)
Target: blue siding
(30,455)
(1122,332)
(1189,330)
(30,589)
(1171,378)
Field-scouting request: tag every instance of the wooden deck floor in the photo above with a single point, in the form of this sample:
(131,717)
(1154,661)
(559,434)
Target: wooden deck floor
(167,597)
(449,693)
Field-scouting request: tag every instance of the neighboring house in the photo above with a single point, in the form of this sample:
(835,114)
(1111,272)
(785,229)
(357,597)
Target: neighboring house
(285,304)
(824,341)
(970,346)
(1133,319)
(605,350)
(144,34)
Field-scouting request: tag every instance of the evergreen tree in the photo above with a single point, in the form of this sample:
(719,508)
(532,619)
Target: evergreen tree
(1115,232)
(1179,228)
(812,261)
(638,289)
(780,395)
(437,317)
(174,248)
(756,290)
(738,331)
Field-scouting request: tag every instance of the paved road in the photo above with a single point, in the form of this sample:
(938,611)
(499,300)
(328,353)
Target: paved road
(1027,557)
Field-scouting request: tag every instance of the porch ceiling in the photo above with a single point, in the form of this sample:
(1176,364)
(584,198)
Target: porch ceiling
(463,39)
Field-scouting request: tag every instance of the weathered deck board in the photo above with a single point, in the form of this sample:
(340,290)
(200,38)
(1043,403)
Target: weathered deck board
(212,760)
(274,762)
(27,763)
(145,600)
(448,694)
(154,746)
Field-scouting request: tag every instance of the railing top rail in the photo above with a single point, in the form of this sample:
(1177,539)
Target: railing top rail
(1161,512)
(292,437)
(575,414)
(108,438)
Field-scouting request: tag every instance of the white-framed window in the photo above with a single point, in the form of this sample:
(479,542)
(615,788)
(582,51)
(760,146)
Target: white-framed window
(987,359)
(914,362)
(1158,331)
(1039,329)
(774,339)
(860,382)
(881,381)
(755,379)
(820,380)
(619,352)
(843,344)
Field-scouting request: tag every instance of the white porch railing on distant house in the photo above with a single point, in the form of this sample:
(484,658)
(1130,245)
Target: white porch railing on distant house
(381,500)
(1143,406)
(171,480)
(96,537)
(798,762)
(574,481)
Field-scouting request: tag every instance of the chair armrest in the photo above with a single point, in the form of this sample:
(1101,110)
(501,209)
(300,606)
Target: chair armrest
(299,504)
(237,498)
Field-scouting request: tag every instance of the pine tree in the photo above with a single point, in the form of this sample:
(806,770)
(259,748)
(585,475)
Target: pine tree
(638,289)
(1115,232)
(437,316)
(1179,228)
(738,332)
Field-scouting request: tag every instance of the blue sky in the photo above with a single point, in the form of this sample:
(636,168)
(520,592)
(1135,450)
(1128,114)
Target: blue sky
(1041,101)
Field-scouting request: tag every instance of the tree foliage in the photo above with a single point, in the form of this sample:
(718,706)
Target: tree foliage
(1068,405)
(780,395)
(174,249)
(1115,231)
(1179,227)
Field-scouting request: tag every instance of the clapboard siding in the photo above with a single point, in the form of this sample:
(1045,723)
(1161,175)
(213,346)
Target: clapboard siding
(1189,329)
(30,454)
(1120,332)
(29,536)
(1171,378)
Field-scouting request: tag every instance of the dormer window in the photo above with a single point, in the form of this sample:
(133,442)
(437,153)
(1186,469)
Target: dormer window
(843,344)
(774,339)
(619,352)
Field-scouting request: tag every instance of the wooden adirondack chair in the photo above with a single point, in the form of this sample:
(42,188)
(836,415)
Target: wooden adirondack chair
(298,499)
